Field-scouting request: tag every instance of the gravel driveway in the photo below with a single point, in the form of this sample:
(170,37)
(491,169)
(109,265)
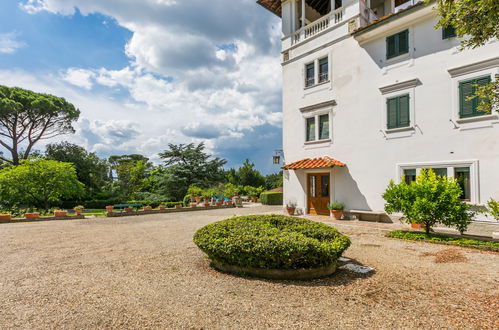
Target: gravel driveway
(145,272)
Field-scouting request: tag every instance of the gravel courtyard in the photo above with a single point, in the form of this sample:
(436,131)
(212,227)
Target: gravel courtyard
(145,272)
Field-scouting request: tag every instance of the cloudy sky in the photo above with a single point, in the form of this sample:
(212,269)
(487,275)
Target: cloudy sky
(151,72)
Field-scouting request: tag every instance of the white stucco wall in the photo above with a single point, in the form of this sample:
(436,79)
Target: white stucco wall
(358,137)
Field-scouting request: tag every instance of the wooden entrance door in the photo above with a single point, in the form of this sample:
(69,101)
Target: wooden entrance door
(318,193)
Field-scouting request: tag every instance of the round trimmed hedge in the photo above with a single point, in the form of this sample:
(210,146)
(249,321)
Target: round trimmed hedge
(271,242)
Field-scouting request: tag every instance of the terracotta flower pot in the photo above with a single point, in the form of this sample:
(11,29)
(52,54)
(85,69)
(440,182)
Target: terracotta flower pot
(128,209)
(229,203)
(291,210)
(336,214)
(198,199)
(109,208)
(78,211)
(5,217)
(32,215)
(417,226)
(178,206)
(162,207)
(206,204)
(60,213)
(193,204)
(147,208)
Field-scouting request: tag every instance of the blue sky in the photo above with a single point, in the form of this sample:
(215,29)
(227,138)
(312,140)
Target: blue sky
(152,72)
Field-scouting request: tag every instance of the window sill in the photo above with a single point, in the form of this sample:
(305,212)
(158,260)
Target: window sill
(316,85)
(400,129)
(398,58)
(476,118)
(317,142)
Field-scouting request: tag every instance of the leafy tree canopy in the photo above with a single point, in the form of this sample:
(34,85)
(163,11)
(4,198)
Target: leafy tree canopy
(38,183)
(27,117)
(186,165)
(92,171)
(246,175)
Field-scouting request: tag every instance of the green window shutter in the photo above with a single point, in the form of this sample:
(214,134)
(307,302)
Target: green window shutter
(403,111)
(391,112)
(403,45)
(448,32)
(466,107)
(391,47)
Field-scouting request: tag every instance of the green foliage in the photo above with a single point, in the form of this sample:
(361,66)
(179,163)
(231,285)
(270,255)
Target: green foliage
(437,238)
(336,205)
(273,181)
(26,116)
(489,96)
(186,165)
(493,208)
(133,172)
(39,183)
(272,242)
(195,191)
(230,190)
(271,198)
(186,200)
(92,171)
(429,200)
(246,175)
(253,191)
(477,22)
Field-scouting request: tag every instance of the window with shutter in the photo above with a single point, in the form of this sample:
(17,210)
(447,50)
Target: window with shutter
(309,74)
(403,111)
(398,112)
(469,107)
(397,44)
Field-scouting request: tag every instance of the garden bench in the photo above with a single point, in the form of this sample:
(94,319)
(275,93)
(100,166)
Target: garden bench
(372,214)
(120,206)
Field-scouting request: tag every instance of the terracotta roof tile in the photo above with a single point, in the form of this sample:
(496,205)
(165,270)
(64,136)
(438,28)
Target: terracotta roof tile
(308,163)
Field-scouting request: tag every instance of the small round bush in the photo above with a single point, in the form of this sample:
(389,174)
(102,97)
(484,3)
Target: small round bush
(271,242)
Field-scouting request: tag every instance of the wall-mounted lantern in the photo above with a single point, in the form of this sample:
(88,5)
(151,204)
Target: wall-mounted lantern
(276,159)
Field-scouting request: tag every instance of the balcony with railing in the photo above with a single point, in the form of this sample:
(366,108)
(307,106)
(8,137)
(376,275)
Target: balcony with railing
(305,19)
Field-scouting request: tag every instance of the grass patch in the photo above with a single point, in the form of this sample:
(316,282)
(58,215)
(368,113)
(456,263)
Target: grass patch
(444,239)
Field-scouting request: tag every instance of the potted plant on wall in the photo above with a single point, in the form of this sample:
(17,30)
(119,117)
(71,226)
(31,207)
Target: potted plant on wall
(5,216)
(60,213)
(78,209)
(31,214)
(291,208)
(336,208)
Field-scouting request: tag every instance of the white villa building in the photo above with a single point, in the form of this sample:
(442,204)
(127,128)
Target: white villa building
(372,91)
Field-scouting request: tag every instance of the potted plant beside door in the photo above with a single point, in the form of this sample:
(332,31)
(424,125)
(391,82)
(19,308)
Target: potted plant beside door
(336,210)
(291,208)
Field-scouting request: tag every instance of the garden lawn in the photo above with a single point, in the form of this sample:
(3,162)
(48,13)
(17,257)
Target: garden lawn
(145,272)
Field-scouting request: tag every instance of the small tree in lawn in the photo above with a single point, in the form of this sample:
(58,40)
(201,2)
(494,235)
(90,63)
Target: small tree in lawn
(429,200)
(40,183)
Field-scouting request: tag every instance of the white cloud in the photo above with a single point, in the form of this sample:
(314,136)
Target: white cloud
(9,43)
(79,77)
(199,71)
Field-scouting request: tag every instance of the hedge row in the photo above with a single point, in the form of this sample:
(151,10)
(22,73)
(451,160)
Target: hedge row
(271,198)
(271,242)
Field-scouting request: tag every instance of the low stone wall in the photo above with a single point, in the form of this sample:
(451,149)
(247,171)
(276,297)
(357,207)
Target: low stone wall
(170,210)
(52,218)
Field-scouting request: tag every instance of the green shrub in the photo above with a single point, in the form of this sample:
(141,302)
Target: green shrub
(272,242)
(271,198)
(186,200)
(493,208)
(336,206)
(429,200)
(437,238)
